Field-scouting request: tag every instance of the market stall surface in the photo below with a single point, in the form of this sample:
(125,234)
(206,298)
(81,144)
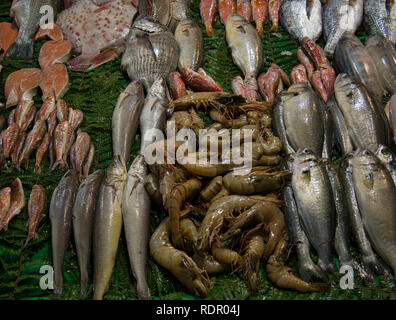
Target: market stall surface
(95,93)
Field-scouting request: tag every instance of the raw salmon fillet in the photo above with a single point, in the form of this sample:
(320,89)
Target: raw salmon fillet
(54,34)
(54,80)
(54,52)
(21,85)
(8,34)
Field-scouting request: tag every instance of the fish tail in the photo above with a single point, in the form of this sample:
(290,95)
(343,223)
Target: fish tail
(57,163)
(58,284)
(19,49)
(83,282)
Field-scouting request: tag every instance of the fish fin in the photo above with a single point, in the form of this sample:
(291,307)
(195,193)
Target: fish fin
(18,49)
(12,99)
(79,63)
(103,57)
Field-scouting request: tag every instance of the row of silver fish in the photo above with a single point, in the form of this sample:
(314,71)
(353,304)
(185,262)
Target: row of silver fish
(96,210)
(307,18)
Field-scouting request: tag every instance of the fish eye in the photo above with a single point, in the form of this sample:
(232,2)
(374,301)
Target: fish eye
(366,152)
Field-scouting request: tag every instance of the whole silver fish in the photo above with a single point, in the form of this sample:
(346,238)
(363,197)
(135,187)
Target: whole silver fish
(300,120)
(366,121)
(153,115)
(60,214)
(387,158)
(83,219)
(151,51)
(302,18)
(136,216)
(380,18)
(28,16)
(353,58)
(314,199)
(384,56)
(340,129)
(376,196)
(189,37)
(108,225)
(125,119)
(246,47)
(340,16)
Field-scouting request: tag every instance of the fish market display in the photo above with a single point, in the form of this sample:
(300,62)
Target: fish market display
(27,16)
(338,17)
(380,18)
(302,18)
(229,159)
(97,30)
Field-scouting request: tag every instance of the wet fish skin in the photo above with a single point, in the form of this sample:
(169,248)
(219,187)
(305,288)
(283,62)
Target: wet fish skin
(189,37)
(36,209)
(60,214)
(153,115)
(246,47)
(62,111)
(299,120)
(380,18)
(125,120)
(314,198)
(208,9)
(387,158)
(83,218)
(383,53)
(136,217)
(307,269)
(392,115)
(75,118)
(352,57)
(108,224)
(17,203)
(302,18)
(27,15)
(366,121)
(340,129)
(62,138)
(17,150)
(340,16)
(179,12)
(23,116)
(376,196)
(151,51)
(371,265)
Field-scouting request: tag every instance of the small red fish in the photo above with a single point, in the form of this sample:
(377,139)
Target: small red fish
(208,9)
(62,112)
(76,117)
(273,9)
(33,140)
(36,208)
(260,14)
(51,122)
(10,138)
(25,114)
(226,7)
(17,203)
(47,108)
(199,81)
(299,74)
(244,9)
(17,150)
(88,160)
(41,151)
(81,149)
(251,87)
(176,85)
